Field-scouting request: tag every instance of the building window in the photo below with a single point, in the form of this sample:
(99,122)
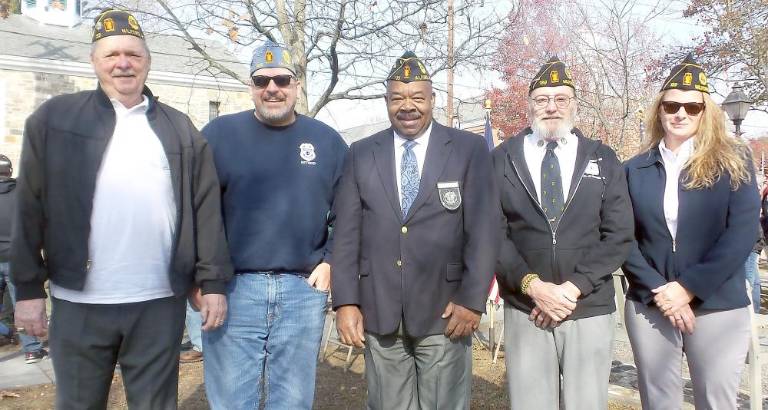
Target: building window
(31,3)
(213,109)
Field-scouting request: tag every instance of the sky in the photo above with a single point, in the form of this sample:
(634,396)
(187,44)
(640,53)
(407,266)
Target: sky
(673,27)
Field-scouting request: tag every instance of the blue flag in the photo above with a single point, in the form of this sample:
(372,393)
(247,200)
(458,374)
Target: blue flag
(488,134)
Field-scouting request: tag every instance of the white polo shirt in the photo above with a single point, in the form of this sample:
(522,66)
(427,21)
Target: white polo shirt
(133,218)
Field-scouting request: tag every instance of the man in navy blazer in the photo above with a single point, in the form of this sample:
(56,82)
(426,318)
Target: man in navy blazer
(415,245)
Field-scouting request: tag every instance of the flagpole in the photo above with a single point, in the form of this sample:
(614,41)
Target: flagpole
(491,302)
(449,103)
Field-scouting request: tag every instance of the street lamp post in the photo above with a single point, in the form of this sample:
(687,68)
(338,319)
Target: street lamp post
(736,105)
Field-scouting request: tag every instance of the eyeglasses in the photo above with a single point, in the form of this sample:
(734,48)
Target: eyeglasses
(691,108)
(561,101)
(262,81)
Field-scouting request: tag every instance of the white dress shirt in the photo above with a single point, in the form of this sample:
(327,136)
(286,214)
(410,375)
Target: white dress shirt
(673,165)
(419,149)
(566,157)
(133,218)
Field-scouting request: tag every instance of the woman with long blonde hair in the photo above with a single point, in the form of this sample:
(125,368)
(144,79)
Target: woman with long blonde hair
(695,205)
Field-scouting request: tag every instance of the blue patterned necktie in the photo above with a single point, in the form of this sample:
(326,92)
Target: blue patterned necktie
(551,185)
(409,177)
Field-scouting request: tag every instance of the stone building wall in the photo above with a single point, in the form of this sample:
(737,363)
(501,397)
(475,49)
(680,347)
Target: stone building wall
(22,92)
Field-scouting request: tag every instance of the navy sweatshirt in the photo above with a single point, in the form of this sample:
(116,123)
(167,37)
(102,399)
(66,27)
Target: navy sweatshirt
(277,189)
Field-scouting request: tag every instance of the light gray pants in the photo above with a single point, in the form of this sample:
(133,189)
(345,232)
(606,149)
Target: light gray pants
(715,352)
(423,373)
(579,350)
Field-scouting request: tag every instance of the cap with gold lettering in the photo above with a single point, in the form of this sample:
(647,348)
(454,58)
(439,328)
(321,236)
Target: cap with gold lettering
(272,55)
(553,73)
(687,76)
(409,68)
(115,23)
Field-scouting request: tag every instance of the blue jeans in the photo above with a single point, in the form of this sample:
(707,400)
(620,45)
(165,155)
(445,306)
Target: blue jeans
(753,278)
(194,325)
(28,343)
(270,341)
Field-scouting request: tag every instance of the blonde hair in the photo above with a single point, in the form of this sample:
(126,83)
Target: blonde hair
(714,151)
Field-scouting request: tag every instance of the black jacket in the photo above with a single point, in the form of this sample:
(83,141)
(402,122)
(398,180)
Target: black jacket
(410,268)
(64,142)
(716,230)
(588,245)
(7,209)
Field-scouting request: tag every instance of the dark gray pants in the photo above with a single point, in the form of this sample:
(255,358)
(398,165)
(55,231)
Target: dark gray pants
(87,340)
(715,351)
(411,373)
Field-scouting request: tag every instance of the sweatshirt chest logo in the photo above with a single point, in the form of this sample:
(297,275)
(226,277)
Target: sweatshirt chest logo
(307,153)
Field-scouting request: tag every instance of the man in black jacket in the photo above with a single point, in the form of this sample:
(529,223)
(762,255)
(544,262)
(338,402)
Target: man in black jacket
(567,225)
(120,194)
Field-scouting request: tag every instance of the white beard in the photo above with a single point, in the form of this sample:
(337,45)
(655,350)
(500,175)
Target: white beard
(541,131)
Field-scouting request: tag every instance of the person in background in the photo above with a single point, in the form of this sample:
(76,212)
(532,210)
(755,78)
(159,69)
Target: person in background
(193,324)
(31,346)
(752,270)
(696,208)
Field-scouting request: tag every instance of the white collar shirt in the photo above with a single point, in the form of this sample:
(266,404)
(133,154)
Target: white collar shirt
(419,149)
(534,152)
(674,162)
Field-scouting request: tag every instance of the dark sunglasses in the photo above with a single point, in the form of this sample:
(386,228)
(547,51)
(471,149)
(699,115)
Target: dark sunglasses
(262,81)
(691,108)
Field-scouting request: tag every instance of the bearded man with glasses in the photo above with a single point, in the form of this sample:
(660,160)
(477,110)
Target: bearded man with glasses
(567,225)
(278,172)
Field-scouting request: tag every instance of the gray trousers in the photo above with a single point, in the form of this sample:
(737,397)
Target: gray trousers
(87,340)
(716,352)
(422,373)
(578,350)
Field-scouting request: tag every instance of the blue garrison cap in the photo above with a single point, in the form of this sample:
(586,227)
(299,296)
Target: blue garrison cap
(272,55)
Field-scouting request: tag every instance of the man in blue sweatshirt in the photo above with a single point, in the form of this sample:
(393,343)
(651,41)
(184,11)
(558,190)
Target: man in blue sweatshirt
(278,172)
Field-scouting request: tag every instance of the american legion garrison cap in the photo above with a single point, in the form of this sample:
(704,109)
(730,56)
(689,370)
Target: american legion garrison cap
(553,73)
(272,55)
(115,23)
(687,76)
(409,68)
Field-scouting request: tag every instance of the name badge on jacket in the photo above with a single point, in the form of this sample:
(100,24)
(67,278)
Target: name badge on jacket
(449,193)
(593,169)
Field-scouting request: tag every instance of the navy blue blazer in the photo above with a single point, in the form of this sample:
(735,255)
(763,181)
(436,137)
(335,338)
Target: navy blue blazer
(715,233)
(408,269)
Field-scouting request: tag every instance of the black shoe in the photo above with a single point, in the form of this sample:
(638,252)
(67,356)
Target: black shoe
(36,356)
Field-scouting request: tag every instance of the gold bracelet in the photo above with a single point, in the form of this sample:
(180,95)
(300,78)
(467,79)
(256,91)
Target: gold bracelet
(526,282)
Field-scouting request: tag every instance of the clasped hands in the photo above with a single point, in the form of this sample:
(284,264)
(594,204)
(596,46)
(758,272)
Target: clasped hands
(553,302)
(674,302)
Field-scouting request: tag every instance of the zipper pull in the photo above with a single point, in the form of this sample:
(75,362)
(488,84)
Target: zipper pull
(554,240)
(674,245)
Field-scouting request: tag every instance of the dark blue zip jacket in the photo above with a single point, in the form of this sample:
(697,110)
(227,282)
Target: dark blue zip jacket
(716,230)
(591,240)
